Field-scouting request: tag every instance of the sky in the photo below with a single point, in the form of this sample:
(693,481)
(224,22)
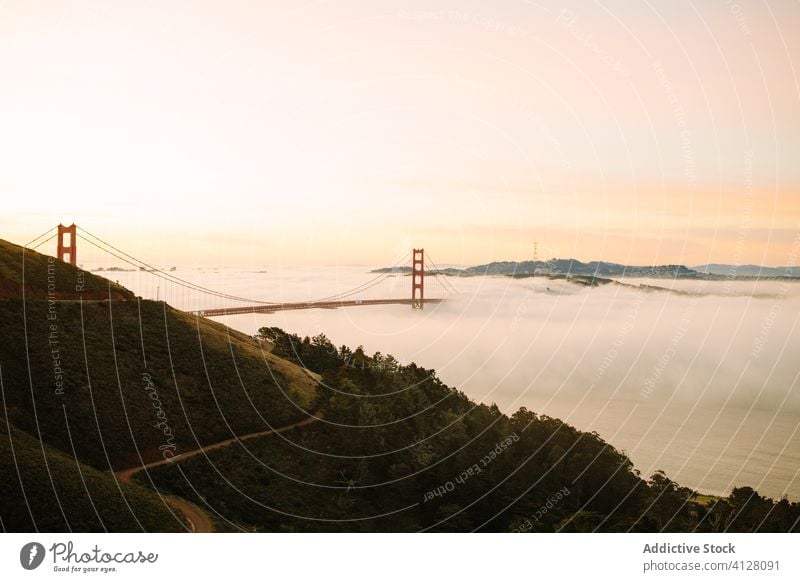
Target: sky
(349,132)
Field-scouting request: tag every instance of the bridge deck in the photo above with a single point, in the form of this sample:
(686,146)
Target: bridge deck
(272,308)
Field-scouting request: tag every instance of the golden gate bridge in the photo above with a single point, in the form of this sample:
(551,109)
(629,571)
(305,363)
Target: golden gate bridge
(429,286)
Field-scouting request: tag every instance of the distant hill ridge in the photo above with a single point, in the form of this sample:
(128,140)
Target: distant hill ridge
(748,270)
(606,269)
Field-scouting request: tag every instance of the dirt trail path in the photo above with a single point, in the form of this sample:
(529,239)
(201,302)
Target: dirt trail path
(197,519)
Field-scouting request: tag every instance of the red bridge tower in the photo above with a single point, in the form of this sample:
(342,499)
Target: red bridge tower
(418,279)
(70,249)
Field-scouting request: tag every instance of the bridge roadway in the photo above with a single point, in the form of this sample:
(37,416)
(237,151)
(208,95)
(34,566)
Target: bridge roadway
(272,308)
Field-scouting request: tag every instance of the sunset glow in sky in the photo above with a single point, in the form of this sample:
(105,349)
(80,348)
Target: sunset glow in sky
(348,132)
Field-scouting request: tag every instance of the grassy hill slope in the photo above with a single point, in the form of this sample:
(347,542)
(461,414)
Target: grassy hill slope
(135,380)
(48,491)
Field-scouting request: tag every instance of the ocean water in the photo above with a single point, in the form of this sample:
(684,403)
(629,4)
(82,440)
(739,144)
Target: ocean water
(700,379)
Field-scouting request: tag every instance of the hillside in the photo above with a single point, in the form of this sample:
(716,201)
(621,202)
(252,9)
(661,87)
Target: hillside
(747,270)
(400,451)
(120,382)
(46,490)
(123,367)
(575,267)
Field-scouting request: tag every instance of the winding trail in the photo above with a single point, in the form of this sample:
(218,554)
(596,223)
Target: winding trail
(197,519)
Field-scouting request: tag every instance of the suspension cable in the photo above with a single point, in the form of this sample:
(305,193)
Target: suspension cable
(131,260)
(438,272)
(40,236)
(364,286)
(110,249)
(51,237)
